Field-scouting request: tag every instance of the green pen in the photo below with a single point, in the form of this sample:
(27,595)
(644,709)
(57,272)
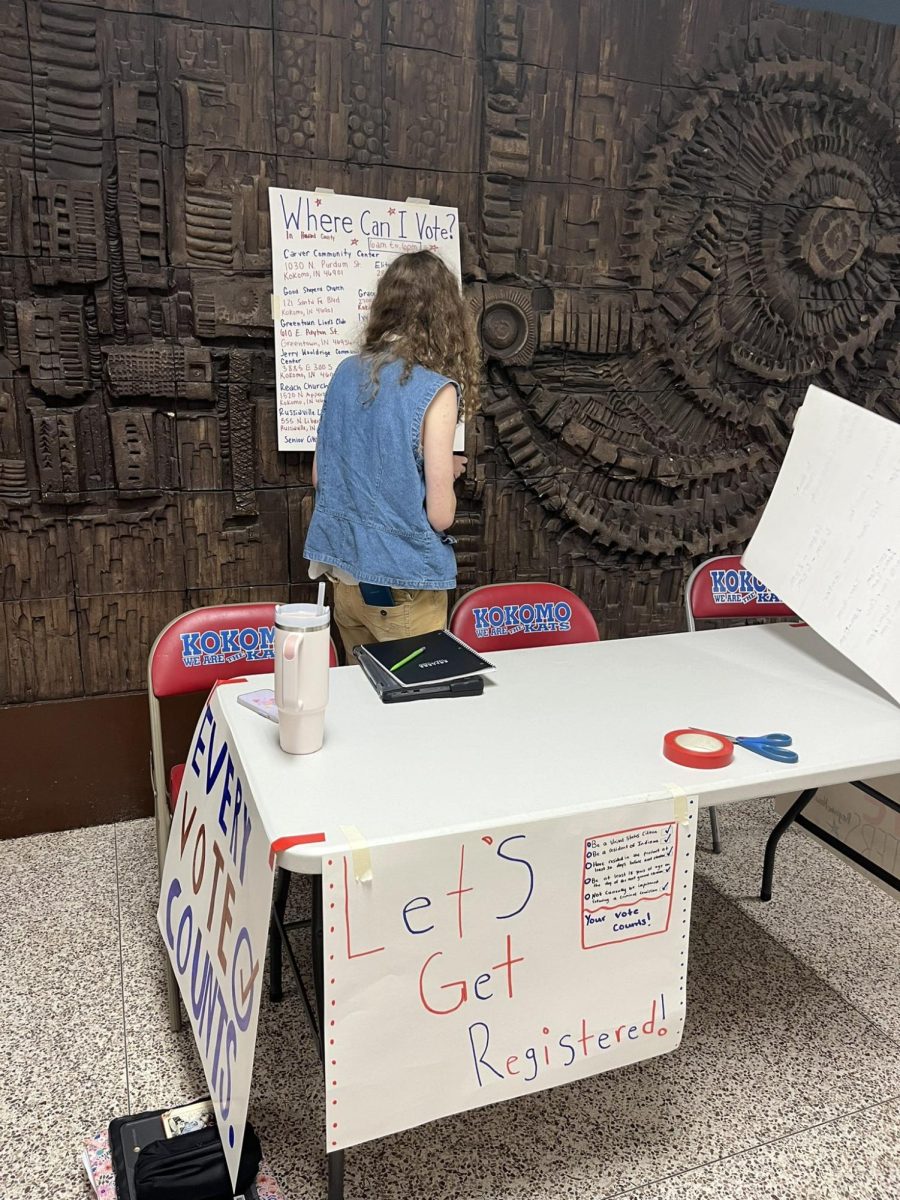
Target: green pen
(409,658)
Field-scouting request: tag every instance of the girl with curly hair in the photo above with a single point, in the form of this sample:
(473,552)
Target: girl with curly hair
(384,467)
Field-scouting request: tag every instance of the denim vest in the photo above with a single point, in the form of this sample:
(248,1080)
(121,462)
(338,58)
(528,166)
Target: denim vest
(369,517)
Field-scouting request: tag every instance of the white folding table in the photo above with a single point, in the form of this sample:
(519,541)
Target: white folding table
(565,726)
(559,728)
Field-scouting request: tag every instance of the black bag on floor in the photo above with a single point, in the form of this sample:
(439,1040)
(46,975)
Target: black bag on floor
(191,1166)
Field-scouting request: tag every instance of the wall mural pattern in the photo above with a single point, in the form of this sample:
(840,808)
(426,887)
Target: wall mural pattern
(675,217)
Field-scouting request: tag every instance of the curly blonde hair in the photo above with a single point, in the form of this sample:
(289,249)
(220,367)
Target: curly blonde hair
(419,315)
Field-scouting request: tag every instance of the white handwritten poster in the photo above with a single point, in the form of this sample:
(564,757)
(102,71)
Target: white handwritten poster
(328,253)
(472,968)
(828,542)
(213,914)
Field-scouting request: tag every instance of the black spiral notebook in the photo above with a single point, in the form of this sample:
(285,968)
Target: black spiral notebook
(418,668)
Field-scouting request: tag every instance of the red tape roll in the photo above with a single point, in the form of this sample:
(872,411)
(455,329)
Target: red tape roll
(696,748)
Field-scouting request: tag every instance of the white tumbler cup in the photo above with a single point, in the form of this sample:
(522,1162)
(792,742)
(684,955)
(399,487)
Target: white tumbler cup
(302,644)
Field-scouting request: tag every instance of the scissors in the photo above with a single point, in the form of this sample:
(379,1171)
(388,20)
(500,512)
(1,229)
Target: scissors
(769,745)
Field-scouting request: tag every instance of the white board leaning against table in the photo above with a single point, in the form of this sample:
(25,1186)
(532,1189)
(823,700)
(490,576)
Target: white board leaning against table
(829,544)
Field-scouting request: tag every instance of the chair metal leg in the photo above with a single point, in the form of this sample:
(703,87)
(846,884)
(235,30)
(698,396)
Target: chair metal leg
(163,824)
(714,830)
(765,892)
(279,904)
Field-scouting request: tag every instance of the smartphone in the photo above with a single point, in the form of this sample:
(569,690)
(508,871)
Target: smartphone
(262,702)
(377,596)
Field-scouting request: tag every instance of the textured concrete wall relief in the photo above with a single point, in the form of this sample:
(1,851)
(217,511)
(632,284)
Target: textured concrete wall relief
(674,216)
(727,235)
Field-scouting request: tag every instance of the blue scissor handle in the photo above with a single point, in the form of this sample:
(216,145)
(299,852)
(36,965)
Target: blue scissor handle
(768,747)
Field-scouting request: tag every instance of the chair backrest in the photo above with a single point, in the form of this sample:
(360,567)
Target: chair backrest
(192,653)
(208,644)
(514,616)
(720,589)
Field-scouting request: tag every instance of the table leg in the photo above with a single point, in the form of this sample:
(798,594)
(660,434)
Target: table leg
(335,1175)
(775,837)
(279,903)
(714,830)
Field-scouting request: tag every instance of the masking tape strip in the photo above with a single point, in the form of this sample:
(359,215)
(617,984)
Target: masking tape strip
(276,306)
(680,798)
(360,853)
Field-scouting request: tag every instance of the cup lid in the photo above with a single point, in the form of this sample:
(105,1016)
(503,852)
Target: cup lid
(302,616)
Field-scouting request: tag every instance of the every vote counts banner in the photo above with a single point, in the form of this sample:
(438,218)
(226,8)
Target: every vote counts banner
(328,253)
(470,968)
(213,913)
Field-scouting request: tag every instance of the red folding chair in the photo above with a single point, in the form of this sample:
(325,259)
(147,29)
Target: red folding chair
(192,653)
(516,616)
(720,589)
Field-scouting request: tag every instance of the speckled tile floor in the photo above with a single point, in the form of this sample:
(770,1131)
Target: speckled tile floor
(786,1086)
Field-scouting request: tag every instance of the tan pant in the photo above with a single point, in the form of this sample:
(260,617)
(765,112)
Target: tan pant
(413,613)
